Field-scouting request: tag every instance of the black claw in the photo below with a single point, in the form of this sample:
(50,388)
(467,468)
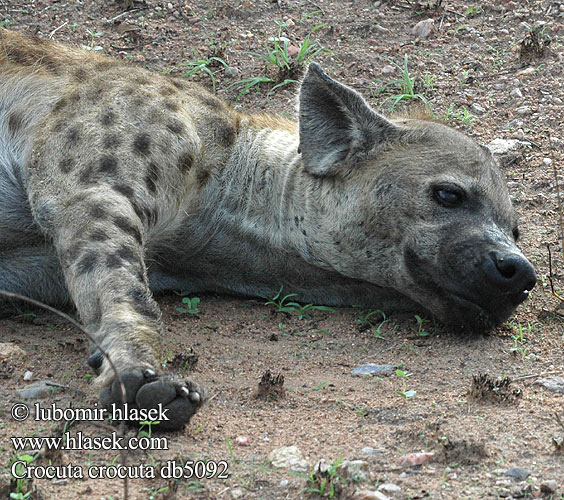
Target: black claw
(95,359)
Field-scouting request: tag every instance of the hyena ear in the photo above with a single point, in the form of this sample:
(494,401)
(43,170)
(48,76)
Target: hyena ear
(336,124)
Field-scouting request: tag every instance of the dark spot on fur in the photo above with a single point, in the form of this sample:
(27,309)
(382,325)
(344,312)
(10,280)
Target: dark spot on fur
(74,98)
(176,126)
(168,91)
(72,253)
(86,264)
(368,254)
(143,304)
(142,144)
(66,165)
(88,175)
(99,235)
(127,253)
(60,105)
(172,106)
(73,136)
(18,56)
(113,261)
(15,122)
(178,84)
(213,102)
(104,65)
(59,126)
(108,165)
(185,162)
(142,80)
(138,211)
(125,190)
(126,226)
(225,133)
(80,74)
(111,141)
(152,178)
(108,117)
(202,177)
(96,211)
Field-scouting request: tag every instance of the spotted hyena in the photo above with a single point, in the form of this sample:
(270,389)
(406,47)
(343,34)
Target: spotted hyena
(116,182)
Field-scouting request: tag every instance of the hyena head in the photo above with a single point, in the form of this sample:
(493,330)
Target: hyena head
(414,206)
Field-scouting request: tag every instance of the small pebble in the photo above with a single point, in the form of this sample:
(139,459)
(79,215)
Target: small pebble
(242,440)
(423,28)
(518,473)
(371,369)
(28,376)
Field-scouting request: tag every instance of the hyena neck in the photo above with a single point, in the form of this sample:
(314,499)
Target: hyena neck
(266,196)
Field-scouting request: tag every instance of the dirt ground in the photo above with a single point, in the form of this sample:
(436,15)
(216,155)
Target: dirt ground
(475,71)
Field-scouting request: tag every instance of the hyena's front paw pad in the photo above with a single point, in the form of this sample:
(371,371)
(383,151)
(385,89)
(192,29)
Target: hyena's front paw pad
(144,388)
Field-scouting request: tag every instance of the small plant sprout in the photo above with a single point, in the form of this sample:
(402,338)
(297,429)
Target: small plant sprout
(93,35)
(20,483)
(421,326)
(404,393)
(281,304)
(461,113)
(204,65)
(406,87)
(323,480)
(520,341)
(146,428)
(191,305)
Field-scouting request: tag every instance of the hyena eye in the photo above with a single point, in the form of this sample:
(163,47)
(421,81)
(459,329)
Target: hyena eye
(448,196)
(516,234)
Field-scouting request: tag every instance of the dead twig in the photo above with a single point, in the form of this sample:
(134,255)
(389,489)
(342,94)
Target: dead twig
(550,275)
(536,375)
(57,29)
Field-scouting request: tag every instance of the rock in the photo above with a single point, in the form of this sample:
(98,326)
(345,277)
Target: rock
(516,93)
(518,473)
(548,487)
(243,440)
(230,71)
(523,110)
(371,369)
(477,109)
(390,488)
(236,493)
(504,146)
(499,86)
(293,50)
(37,390)
(526,71)
(354,470)
(288,457)
(28,376)
(387,69)
(370,451)
(417,458)
(423,28)
(553,384)
(9,349)
(284,483)
(369,495)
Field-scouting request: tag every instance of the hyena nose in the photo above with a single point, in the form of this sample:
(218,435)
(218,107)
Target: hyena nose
(511,273)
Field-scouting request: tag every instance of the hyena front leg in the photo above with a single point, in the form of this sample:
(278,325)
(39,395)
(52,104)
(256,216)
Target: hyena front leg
(98,235)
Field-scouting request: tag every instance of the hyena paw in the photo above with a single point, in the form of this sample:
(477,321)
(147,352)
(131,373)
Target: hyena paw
(146,389)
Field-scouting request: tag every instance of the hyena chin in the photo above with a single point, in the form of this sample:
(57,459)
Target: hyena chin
(116,182)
